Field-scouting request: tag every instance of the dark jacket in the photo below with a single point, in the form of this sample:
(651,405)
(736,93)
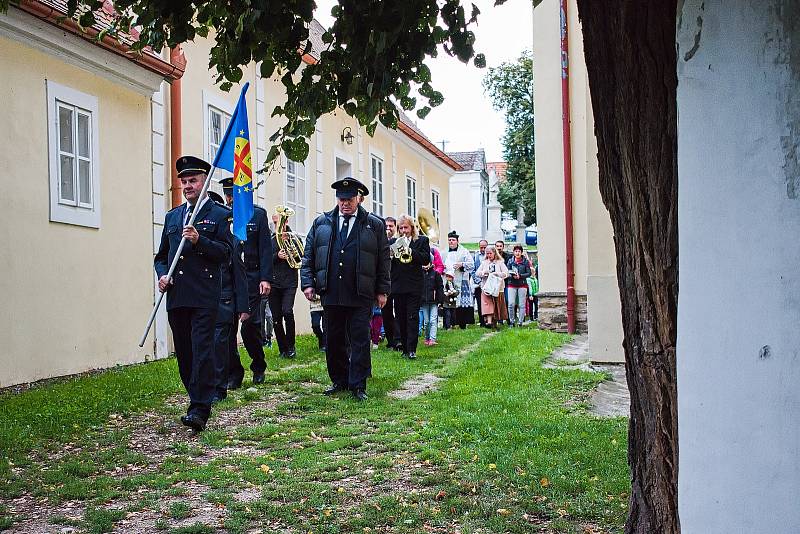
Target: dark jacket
(432,287)
(283,276)
(524,270)
(258,250)
(407,277)
(372,265)
(197,276)
(234,278)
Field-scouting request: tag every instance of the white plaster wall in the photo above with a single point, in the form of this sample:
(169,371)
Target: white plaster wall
(739,305)
(466,206)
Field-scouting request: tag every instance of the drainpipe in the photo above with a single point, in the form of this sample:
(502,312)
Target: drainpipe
(175,121)
(567,145)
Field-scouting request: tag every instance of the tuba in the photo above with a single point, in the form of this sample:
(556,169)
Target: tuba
(401,249)
(290,243)
(427,225)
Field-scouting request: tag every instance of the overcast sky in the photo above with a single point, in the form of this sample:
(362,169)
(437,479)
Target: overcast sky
(466,119)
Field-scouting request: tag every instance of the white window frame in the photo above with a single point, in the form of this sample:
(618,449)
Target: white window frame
(297,225)
(435,206)
(77,213)
(377,185)
(411,201)
(214,102)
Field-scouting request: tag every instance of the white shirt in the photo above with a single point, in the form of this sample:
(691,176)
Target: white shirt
(349,223)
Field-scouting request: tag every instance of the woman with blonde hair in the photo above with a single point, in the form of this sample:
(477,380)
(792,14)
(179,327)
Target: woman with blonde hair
(492,266)
(407,281)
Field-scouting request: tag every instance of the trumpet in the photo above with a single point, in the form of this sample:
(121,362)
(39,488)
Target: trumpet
(288,242)
(401,249)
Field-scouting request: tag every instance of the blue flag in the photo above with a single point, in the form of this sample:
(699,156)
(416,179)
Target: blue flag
(234,155)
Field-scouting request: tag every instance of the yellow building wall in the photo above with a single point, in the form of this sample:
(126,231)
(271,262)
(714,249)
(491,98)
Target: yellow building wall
(75,298)
(325,146)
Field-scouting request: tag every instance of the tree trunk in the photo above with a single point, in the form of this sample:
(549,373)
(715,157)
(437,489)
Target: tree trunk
(631,61)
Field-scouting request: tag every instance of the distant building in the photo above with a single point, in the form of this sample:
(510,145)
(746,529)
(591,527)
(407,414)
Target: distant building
(469,196)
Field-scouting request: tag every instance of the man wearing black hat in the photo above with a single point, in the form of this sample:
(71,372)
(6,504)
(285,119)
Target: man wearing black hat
(346,261)
(193,292)
(233,305)
(258,263)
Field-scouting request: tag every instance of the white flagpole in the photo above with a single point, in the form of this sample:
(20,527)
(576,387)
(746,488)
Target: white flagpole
(201,202)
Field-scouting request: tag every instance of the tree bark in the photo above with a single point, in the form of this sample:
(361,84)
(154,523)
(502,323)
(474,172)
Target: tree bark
(631,60)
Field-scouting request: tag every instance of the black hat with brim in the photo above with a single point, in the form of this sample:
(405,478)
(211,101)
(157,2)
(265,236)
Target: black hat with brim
(349,187)
(227,184)
(191,165)
(216,197)
(452,234)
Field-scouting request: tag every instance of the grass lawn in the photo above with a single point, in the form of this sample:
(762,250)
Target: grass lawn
(498,444)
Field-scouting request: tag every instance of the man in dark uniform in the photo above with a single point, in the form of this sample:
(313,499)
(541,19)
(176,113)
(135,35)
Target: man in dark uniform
(346,261)
(193,291)
(258,264)
(233,303)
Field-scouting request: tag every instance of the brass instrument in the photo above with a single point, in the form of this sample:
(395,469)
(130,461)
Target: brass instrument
(288,242)
(427,225)
(401,249)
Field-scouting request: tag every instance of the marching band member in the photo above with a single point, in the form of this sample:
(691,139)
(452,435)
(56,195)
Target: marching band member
(258,264)
(407,280)
(193,293)
(281,297)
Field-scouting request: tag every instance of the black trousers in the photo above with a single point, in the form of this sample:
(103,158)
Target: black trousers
(193,334)
(407,318)
(319,328)
(348,327)
(281,303)
(222,338)
(251,338)
(390,326)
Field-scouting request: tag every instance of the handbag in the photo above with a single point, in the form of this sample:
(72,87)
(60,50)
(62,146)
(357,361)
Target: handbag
(491,286)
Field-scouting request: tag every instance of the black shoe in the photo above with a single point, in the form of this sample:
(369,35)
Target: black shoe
(335,388)
(292,354)
(258,378)
(411,356)
(360,394)
(195,422)
(234,384)
(323,349)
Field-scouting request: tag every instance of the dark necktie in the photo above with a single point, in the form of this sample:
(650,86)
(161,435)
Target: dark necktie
(189,209)
(343,230)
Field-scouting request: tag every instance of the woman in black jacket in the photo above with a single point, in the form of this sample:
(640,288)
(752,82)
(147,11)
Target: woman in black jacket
(281,298)
(407,285)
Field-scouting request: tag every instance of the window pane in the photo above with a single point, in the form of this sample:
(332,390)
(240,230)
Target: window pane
(65,130)
(290,168)
(83,135)
(216,127)
(290,194)
(84,182)
(300,185)
(67,179)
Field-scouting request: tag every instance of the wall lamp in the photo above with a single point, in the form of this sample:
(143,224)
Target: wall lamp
(347,135)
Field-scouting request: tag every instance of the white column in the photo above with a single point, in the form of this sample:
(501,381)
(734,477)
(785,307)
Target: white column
(320,181)
(160,202)
(738,350)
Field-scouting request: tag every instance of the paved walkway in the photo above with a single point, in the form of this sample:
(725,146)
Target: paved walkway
(611,398)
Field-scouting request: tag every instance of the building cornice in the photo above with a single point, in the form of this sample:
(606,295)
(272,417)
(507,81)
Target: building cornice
(48,29)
